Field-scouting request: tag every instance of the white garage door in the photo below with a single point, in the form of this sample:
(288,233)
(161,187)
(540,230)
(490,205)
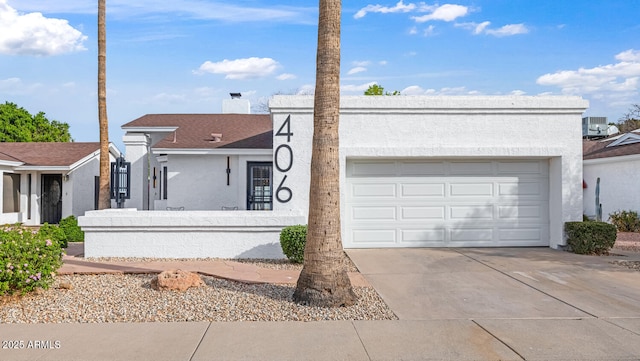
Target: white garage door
(427,203)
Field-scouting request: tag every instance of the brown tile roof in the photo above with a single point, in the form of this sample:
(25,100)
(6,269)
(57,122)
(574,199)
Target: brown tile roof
(47,154)
(239,131)
(595,149)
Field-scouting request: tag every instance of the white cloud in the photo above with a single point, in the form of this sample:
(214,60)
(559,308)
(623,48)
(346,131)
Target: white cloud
(306,89)
(483,28)
(508,30)
(618,83)
(248,68)
(359,88)
(356,70)
(382,62)
(417,90)
(429,31)
(34,34)
(15,86)
(446,12)
(286,76)
(629,56)
(400,7)
(190,9)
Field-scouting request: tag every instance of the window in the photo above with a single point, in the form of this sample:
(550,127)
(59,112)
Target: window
(10,193)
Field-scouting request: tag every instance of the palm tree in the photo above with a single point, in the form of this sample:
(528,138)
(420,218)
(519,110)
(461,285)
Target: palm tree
(324,280)
(104,200)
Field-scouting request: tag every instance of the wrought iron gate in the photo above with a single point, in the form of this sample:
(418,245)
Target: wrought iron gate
(259,178)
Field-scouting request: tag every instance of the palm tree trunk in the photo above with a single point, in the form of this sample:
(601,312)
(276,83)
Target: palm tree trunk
(324,281)
(103,195)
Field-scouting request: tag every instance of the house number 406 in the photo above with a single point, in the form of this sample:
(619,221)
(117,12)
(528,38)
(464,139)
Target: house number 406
(284,161)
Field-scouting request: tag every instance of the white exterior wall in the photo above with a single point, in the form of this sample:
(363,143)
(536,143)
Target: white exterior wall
(136,150)
(440,127)
(200,182)
(13,217)
(618,184)
(188,234)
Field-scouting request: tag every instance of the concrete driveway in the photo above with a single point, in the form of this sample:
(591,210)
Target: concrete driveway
(508,303)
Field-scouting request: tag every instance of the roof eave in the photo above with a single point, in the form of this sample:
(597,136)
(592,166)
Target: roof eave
(151,129)
(44,168)
(620,158)
(214,151)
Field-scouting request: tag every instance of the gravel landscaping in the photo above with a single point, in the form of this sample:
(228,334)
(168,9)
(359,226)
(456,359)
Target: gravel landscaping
(129,298)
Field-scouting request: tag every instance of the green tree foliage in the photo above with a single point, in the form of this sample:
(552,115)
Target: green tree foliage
(376,89)
(18,125)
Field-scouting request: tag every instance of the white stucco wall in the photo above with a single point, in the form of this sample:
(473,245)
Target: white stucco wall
(440,127)
(185,234)
(618,184)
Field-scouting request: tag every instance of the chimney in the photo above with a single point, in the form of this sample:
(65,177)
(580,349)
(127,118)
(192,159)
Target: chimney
(236,105)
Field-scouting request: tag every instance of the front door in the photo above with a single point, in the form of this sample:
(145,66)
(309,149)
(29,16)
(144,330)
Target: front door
(51,198)
(259,186)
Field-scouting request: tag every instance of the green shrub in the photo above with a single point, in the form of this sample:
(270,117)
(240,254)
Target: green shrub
(71,229)
(292,241)
(28,260)
(54,233)
(590,237)
(625,221)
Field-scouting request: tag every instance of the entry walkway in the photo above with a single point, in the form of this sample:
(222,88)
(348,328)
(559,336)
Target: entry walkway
(452,304)
(74,263)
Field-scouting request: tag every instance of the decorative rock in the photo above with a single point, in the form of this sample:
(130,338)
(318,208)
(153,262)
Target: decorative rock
(177,280)
(65,286)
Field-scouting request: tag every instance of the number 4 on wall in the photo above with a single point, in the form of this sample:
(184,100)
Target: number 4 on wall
(287,124)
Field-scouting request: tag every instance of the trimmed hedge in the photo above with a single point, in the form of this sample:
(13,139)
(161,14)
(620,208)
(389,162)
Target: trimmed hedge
(71,229)
(292,240)
(590,237)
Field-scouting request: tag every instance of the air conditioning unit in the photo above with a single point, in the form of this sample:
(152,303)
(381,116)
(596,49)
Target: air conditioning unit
(593,127)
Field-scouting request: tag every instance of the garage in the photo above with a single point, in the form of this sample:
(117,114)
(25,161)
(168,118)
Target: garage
(446,203)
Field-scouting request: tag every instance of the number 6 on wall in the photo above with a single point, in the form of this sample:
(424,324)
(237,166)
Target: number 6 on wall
(282,188)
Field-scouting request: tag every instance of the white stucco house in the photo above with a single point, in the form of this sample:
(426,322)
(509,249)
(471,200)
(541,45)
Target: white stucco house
(45,182)
(616,161)
(416,171)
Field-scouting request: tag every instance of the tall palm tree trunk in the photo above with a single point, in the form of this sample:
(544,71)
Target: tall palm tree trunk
(103,195)
(324,281)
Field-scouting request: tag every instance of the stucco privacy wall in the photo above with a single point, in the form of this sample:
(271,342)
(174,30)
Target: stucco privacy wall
(617,176)
(187,234)
(443,127)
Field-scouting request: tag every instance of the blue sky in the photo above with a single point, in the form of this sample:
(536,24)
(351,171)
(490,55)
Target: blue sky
(185,56)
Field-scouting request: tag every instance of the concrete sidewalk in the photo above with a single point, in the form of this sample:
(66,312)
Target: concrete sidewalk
(453,304)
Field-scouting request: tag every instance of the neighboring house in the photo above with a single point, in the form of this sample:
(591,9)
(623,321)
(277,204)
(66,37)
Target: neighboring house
(616,161)
(45,182)
(415,171)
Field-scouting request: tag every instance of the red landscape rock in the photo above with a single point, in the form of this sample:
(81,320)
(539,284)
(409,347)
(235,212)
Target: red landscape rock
(176,280)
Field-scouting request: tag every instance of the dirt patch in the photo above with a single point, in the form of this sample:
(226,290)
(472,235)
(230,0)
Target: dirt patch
(628,241)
